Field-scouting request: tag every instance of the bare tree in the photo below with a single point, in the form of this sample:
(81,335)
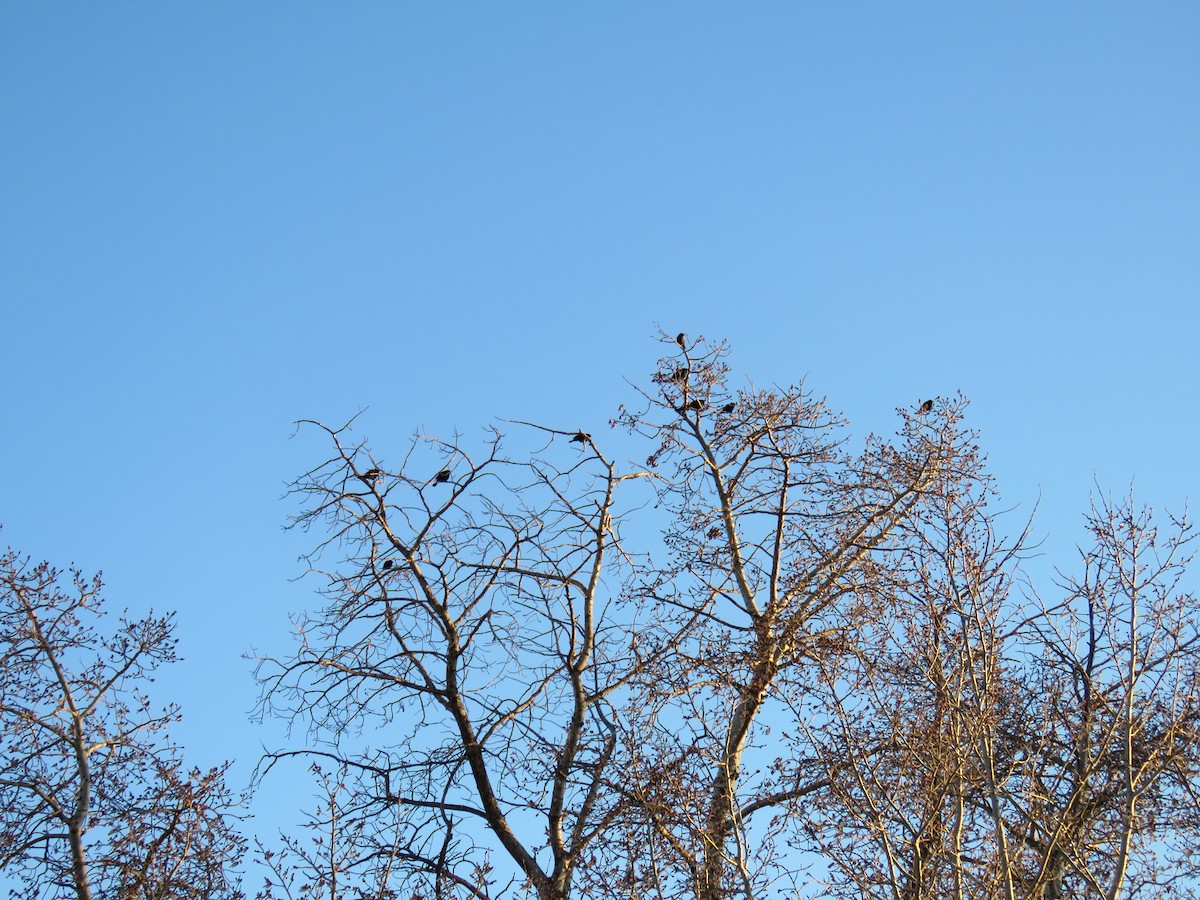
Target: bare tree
(479,633)
(997,747)
(909,727)
(1109,763)
(547,684)
(94,799)
(824,679)
(341,857)
(787,549)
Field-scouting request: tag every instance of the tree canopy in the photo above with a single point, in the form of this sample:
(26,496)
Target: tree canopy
(765,661)
(762,659)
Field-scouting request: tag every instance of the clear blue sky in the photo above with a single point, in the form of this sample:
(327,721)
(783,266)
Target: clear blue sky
(217,218)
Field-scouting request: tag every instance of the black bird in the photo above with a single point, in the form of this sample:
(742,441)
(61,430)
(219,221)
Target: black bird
(681,374)
(715,531)
(926,407)
(581,437)
(387,564)
(694,404)
(728,408)
(370,474)
(679,339)
(442,477)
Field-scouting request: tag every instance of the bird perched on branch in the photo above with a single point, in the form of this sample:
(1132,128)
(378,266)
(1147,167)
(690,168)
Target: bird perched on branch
(926,407)
(696,404)
(728,408)
(387,564)
(681,374)
(581,437)
(442,477)
(680,339)
(370,474)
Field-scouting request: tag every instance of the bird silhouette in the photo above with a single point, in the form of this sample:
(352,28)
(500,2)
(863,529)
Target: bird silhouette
(370,474)
(442,477)
(387,564)
(680,374)
(680,340)
(696,404)
(926,407)
(581,437)
(728,408)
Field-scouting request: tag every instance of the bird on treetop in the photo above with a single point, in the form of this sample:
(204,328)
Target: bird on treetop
(581,437)
(680,374)
(926,407)
(695,404)
(442,477)
(679,339)
(370,474)
(387,564)
(728,408)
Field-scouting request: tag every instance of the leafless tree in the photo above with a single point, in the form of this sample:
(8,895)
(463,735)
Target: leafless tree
(94,799)
(825,678)
(1110,757)
(479,637)
(787,549)
(1034,748)
(340,857)
(908,727)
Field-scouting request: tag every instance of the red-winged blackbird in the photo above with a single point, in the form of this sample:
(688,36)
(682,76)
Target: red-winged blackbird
(442,477)
(926,407)
(728,408)
(680,340)
(581,437)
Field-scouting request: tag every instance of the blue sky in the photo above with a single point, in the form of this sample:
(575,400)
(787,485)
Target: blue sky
(218,218)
